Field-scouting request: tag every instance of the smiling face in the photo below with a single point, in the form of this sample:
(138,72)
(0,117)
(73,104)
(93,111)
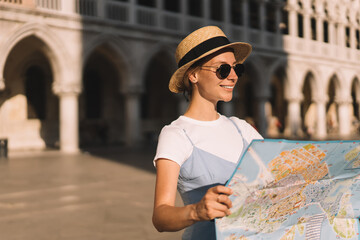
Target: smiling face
(207,85)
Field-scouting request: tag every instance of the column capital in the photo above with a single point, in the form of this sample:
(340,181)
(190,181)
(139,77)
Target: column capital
(343,100)
(320,100)
(66,89)
(294,99)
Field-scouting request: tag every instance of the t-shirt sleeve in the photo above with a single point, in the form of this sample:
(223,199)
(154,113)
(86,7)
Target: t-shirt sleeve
(248,131)
(173,145)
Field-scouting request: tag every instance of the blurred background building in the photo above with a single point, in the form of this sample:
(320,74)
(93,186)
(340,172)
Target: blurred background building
(79,73)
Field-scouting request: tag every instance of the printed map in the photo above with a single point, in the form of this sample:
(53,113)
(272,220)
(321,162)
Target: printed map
(295,190)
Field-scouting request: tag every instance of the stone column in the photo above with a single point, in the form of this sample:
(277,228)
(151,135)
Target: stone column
(159,8)
(261,115)
(206,11)
(68,6)
(353,36)
(101,7)
(132,116)
(321,118)
(341,35)
(331,27)
(277,24)
(344,117)
(228,108)
(183,9)
(319,28)
(293,20)
(226,14)
(262,15)
(293,118)
(69,117)
(245,16)
(183,104)
(307,25)
(132,11)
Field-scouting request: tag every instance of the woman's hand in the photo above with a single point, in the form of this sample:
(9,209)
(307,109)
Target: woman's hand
(214,204)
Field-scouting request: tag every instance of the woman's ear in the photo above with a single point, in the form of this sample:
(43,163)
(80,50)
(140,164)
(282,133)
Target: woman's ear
(193,77)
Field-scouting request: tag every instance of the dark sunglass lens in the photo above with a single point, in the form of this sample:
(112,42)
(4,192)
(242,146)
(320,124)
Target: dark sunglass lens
(239,69)
(224,71)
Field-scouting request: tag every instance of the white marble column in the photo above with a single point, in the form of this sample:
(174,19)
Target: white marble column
(341,35)
(293,19)
(307,24)
(132,116)
(69,121)
(331,31)
(344,117)
(68,6)
(293,118)
(319,28)
(353,36)
(321,118)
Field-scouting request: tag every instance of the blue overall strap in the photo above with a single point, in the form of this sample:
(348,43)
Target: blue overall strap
(188,138)
(245,142)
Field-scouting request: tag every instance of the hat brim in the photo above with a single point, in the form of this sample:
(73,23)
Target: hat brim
(241,51)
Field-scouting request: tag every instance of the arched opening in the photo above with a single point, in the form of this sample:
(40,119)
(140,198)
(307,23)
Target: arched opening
(35,93)
(355,108)
(308,107)
(332,118)
(30,110)
(276,110)
(101,105)
(158,105)
(244,100)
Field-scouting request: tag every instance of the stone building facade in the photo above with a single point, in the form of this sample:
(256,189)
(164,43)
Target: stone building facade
(81,72)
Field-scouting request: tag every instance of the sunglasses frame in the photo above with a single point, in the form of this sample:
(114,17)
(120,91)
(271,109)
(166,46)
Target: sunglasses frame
(223,76)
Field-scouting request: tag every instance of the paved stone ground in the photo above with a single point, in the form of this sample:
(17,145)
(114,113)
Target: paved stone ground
(102,194)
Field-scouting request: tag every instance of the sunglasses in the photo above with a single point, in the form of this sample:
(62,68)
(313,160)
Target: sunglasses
(224,70)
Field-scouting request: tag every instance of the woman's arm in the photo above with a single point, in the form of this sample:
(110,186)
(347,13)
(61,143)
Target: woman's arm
(167,217)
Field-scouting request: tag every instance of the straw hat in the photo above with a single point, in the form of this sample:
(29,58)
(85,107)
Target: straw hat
(199,44)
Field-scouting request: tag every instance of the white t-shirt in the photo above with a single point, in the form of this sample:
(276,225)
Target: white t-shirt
(219,137)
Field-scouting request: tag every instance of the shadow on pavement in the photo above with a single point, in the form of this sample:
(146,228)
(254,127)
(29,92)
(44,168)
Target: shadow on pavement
(138,157)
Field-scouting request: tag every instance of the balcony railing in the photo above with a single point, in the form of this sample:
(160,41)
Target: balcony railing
(129,13)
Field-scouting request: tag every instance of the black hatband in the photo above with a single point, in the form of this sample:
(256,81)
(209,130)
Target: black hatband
(203,48)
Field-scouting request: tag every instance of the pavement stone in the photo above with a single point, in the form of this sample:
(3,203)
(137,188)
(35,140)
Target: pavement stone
(99,194)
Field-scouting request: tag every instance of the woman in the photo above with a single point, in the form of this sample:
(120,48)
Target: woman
(198,152)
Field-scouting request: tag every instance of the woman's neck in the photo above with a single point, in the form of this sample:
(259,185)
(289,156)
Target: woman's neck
(202,110)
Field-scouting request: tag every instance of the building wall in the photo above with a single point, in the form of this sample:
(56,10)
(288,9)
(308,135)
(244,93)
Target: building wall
(105,67)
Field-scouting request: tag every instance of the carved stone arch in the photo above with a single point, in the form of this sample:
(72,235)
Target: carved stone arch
(355,96)
(308,99)
(55,50)
(256,68)
(117,52)
(278,86)
(159,106)
(163,48)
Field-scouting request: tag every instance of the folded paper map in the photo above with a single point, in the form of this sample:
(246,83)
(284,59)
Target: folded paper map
(295,190)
